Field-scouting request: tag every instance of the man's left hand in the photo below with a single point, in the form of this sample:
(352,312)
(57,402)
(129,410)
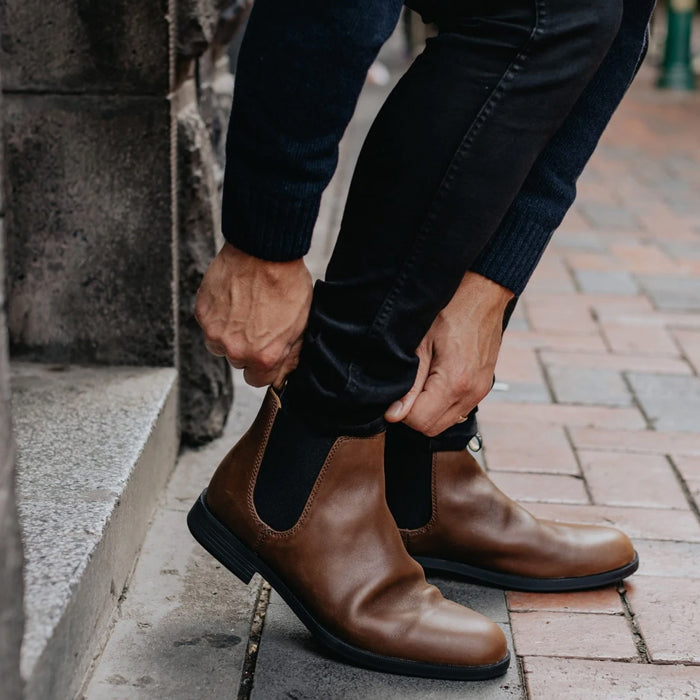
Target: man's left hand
(457,358)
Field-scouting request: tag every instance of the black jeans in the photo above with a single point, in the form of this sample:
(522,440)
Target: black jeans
(444,160)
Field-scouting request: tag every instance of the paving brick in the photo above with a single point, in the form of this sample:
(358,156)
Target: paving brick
(584,385)
(574,679)
(542,488)
(551,276)
(569,314)
(609,307)
(518,365)
(577,240)
(574,221)
(518,320)
(639,340)
(514,447)
(519,392)
(606,282)
(619,363)
(556,341)
(608,417)
(670,403)
(606,216)
(689,341)
(641,523)
(667,611)
(671,292)
(668,559)
(598,192)
(657,319)
(681,250)
(632,193)
(663,558)
(602,600)
(580,635)
(651,441)
(620,479)
(599,261)
(645,259)
(689,468)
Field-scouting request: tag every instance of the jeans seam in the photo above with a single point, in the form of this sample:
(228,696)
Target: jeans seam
(511,71)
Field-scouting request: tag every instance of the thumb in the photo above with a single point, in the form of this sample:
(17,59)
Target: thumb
(289,364)
(401,408)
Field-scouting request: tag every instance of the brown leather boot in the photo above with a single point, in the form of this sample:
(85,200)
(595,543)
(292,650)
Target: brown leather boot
(476,531)
(342,567)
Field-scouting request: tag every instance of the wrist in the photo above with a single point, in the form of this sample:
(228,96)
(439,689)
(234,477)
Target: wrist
(246,262)
(478,290)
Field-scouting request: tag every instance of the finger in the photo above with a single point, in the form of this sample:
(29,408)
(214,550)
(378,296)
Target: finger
(256,377)
(215,348)
(289,364)
(430,405)
(450,417)
(401,408)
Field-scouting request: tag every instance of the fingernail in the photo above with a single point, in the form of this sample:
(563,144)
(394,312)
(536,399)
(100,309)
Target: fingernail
(394,411)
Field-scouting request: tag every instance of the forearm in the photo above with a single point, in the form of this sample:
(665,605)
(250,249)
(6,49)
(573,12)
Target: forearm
(511,255)
(301,68)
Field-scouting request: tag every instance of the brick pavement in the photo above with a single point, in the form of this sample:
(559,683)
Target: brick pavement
(607,338)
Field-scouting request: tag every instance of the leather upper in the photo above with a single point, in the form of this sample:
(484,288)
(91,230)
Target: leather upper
(476,523)
(345,559)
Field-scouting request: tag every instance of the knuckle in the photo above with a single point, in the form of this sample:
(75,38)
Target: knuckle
(200,308)
(483,388)
(463,385)
(266,360)
(233,351)
(423,425)
(210,335)
(432,431)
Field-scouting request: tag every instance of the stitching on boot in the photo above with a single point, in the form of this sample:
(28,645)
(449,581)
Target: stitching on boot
(433,499)
(254,478)
(282,534)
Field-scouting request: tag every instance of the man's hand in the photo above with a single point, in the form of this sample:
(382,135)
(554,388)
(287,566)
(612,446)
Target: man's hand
(254,312)
(457,358)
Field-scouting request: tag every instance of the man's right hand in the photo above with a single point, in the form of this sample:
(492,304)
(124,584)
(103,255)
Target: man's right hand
(254,312)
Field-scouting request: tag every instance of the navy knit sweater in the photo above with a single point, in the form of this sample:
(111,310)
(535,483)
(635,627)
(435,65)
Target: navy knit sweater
(300,72)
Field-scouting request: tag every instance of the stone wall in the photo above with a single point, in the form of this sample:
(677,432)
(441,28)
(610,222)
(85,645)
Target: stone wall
(11,616)
(115,118)
(205,90)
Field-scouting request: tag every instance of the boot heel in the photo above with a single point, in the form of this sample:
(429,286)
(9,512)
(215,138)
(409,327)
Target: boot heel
(219,541)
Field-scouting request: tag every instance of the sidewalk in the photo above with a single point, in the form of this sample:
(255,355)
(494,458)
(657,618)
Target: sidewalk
(596,418)
(601,419)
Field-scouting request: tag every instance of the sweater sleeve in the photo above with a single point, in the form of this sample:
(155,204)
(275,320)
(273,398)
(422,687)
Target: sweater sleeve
(511,255)
(300,71)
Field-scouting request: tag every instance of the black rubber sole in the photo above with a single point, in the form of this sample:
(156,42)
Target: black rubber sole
(239,560)
(512,582)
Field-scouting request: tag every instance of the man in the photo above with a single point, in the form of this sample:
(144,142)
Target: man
(468,168)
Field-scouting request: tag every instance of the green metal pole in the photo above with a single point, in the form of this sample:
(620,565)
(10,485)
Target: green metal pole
(677,68)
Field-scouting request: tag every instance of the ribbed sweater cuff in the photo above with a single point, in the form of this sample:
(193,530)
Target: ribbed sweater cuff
(511,256)
(275,228)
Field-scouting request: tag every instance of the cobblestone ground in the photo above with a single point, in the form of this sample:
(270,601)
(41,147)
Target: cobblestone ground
(596,418)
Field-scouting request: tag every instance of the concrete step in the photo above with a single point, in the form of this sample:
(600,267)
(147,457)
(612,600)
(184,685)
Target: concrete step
(182,630)
(95,447)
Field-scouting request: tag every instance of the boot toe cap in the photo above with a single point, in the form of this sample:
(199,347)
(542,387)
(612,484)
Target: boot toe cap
(458,636)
